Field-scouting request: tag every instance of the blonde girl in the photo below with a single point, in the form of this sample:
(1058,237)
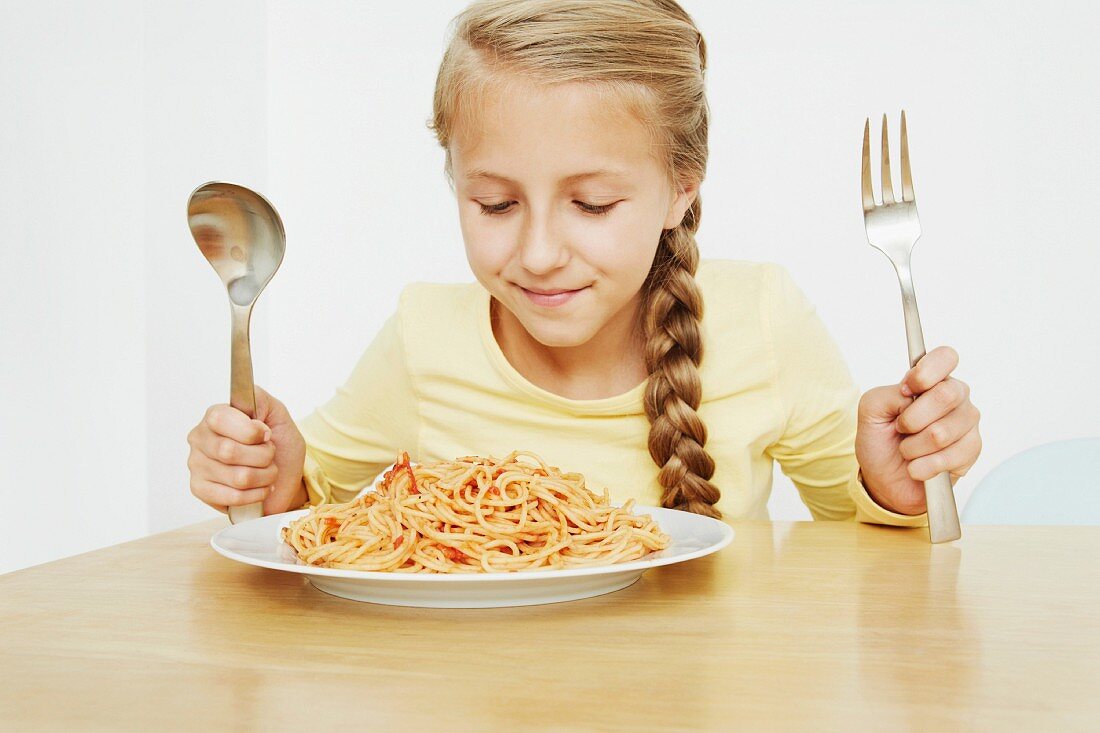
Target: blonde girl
(575,139)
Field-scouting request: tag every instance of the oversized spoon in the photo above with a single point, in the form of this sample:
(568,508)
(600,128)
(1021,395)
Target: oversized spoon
(241,235)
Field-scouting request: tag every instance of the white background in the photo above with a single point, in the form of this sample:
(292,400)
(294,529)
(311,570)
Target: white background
(114,330)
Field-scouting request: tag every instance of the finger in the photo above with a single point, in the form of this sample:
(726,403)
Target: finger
(220,496)
(933,405)
(231,453)
(942,433)
(956,458)
(238,477)
(229,422)
(212,505)
(933,368)
(880,405)
(265,403)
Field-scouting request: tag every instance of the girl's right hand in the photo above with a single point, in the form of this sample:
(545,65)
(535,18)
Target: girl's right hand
(236,460)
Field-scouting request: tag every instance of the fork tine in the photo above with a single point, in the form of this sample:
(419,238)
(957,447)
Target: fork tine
(906,174)
(868,192)
(887,181)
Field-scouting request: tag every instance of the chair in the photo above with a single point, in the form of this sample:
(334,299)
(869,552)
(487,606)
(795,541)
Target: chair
(1055,483)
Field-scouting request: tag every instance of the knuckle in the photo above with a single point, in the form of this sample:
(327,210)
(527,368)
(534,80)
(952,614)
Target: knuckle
(938,435)
(962,389)
(235,499)
(215,416)
(241,478)
(226,451)
(943,396)
(905,448)
(215,421)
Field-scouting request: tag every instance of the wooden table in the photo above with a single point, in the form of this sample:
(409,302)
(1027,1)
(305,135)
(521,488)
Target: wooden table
(822,626)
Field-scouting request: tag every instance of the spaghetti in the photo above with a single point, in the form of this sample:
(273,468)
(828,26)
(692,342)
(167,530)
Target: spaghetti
(473,515)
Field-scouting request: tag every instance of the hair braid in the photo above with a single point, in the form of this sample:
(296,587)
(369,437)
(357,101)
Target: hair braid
(672,310)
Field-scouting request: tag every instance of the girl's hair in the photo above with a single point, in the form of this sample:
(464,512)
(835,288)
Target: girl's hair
(649,56)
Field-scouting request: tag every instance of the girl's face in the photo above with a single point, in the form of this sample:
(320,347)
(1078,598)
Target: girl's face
(562,199)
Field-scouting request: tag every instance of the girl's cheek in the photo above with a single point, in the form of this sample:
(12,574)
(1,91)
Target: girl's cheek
(488,251)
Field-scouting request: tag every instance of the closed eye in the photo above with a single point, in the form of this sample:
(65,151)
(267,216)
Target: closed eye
(594,208)
(504,206)
(495,209)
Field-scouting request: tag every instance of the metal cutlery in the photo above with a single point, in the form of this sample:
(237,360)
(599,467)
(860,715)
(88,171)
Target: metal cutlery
(241,235)
(893,228)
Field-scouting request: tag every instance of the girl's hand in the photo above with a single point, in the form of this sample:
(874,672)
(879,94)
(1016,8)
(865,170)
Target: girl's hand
(902,442)
(235,460)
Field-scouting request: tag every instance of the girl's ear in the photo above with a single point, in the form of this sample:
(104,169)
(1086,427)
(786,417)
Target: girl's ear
(680,204)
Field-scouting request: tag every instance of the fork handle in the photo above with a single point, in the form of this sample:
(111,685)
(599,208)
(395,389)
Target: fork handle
(914,334)
(943,515)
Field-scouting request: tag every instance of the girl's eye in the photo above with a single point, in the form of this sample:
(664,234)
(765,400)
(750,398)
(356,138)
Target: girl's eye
(594,208)
(494,209)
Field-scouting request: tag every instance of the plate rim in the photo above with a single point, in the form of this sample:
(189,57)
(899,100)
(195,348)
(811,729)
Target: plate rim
(642,564)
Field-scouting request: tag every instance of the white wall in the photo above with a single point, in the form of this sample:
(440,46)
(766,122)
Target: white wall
(72,379)
(114,331)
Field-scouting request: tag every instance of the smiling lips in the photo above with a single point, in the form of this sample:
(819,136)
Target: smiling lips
(550,298)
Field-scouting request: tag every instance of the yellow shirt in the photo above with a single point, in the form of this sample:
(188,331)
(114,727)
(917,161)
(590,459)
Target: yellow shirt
(435,383)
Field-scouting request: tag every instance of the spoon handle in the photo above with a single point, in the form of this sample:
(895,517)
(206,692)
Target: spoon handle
(242,392)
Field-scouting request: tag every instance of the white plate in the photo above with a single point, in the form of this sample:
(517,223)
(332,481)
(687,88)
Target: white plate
(258,543)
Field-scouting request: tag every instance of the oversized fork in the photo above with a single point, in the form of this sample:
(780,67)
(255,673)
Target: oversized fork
(893,229)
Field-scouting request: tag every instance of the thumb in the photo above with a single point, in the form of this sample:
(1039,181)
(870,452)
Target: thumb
(882,405)
(268,409)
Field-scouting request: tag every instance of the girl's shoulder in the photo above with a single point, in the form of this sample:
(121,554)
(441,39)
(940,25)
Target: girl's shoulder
(742,298)
(740,289)
(436,318)
(440,305)
(712,272)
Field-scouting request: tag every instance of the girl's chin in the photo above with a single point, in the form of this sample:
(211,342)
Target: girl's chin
(555,333)
(558,338)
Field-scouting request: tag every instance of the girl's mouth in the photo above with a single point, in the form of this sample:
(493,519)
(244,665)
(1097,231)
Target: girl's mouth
(551,298)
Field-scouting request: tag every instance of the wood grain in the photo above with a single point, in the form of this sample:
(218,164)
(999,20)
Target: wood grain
(794,626)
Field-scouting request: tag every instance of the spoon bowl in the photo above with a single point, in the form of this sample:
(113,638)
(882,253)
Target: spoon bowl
(241,235)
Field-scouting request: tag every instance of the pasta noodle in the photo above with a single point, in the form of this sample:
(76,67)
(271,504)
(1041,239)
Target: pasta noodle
(473,515)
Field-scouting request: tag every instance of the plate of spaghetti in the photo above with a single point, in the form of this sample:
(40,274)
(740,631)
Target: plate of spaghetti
(475,532)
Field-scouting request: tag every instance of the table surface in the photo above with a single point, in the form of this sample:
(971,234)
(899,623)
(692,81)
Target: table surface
(794,625)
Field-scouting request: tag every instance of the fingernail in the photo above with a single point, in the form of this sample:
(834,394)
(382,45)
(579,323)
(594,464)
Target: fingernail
(267,435)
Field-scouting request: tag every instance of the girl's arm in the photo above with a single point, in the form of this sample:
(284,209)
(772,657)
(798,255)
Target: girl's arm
(816,449)
(357,433)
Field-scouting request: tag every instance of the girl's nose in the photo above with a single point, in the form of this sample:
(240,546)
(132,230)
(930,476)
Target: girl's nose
(541,249)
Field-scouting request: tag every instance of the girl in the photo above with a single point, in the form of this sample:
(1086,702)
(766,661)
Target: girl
(575,136)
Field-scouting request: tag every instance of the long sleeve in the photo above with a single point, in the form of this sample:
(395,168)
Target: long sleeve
(358,432)
(817,447)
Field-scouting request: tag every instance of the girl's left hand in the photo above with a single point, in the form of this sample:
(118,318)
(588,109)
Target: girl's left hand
(902,442)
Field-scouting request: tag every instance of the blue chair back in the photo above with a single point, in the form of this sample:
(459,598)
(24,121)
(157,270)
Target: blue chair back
(1055,483)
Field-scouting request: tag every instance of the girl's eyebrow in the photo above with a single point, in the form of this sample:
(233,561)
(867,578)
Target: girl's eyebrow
(479,173)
